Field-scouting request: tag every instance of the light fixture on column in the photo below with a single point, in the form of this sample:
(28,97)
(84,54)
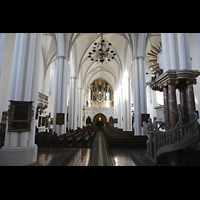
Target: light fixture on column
(102,52)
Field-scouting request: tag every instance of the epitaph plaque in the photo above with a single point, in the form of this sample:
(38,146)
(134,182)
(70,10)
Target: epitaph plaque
(60,117)
(20,115)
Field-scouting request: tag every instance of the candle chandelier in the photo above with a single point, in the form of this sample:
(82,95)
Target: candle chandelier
(102,52)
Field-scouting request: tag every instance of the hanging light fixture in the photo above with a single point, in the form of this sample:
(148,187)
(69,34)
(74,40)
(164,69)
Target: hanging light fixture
(102,52)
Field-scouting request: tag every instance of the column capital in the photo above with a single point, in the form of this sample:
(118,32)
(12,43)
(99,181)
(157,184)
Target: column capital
(64,57)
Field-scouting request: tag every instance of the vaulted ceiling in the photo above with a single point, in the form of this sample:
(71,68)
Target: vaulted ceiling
(107,71)
(77,45)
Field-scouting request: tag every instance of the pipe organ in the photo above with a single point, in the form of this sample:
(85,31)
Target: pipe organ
(100,92)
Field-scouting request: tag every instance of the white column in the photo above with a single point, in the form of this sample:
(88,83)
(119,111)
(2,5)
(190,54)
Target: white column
(73,103)
(19,147)
(60,99)
(128,109)
(182,51)
(137,102)
(127,125)
(76,105)
(173,51)
(34,95)
(84,105)
(165,51)
(188,55)
(56,98)
(116,104)
(120,108)
(142,84)
(80,108)
(15,66)
(63,108)
(124,96)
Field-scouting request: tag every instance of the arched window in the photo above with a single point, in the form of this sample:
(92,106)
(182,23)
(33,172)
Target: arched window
(51,79)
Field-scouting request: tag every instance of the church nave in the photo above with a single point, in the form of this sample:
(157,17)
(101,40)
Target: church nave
(99,99)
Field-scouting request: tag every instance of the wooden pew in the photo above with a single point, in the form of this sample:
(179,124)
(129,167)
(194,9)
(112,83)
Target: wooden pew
(40,139)
(85,138)
(50,141)
(59,140)
(68,138)
(77,138)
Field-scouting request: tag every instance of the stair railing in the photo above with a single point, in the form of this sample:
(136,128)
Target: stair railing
(179,137)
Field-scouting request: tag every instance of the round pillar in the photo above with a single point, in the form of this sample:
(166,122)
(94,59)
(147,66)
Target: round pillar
(173,113)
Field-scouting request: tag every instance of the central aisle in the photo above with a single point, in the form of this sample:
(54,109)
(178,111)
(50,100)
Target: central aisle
(100,153)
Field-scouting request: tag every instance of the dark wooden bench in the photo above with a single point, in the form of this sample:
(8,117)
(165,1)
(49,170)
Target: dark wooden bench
(59,140)
(40,138)
(124,139)
(69,138)
(77,138)
(85,138)
(50,140)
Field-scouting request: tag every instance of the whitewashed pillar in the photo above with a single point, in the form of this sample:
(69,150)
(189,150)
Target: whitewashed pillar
(137,100)
(60,101)
(73,103)
(84,106)
(187,49)
(127,125)
(142,83)
(184,51)
(80,104)
(19,147)
(173,51)
(165,52)
(129,118)
(116,104)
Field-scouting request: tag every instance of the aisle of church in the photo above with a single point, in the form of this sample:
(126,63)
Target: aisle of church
(100,154)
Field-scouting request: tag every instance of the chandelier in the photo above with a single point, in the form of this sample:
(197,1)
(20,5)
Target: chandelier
(101,51)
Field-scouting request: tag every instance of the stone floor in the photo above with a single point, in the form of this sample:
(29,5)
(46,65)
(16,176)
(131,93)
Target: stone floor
(99,155)
(82,157)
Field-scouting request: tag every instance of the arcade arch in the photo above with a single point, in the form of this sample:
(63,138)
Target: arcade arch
(99,120)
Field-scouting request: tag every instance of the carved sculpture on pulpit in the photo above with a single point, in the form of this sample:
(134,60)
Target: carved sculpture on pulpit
(150,129)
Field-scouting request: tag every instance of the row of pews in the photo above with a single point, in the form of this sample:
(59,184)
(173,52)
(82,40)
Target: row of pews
(117,138)
(74,138)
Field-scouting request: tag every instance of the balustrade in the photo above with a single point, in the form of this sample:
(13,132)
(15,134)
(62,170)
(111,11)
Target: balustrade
(179,135)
